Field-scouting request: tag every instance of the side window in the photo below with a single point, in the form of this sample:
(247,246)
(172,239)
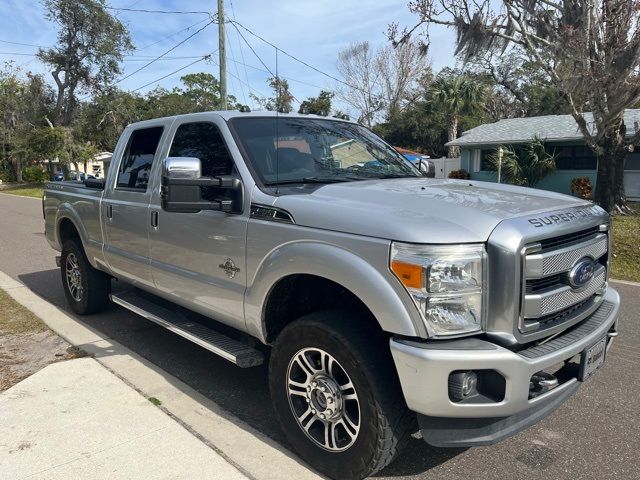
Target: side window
(203,140)
(137,159)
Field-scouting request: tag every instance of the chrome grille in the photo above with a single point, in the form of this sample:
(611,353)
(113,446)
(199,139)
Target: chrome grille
(566,296)
(548,300)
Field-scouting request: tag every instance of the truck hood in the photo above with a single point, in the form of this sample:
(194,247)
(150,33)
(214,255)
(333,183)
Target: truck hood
(417,210)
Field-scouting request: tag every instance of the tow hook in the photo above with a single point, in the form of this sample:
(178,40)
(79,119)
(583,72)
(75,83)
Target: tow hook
(541,382)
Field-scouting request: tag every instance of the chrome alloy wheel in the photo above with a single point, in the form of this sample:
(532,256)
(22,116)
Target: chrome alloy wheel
(323,399)
(74,277)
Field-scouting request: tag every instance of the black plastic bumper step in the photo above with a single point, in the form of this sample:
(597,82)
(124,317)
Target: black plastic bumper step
(228,348)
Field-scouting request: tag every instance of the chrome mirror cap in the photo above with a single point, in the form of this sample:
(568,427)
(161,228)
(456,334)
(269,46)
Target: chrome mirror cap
(182,167)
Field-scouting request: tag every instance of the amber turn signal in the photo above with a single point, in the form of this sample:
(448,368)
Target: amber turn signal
(410,275)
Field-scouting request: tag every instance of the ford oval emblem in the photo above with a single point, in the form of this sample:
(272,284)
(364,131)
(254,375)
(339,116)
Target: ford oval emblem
(582,272)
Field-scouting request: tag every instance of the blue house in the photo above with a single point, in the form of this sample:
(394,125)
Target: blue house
(561,134)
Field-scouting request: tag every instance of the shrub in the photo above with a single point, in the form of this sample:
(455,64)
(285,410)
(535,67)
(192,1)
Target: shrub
(582,187)
(35,174)
(7,176)
(461,174)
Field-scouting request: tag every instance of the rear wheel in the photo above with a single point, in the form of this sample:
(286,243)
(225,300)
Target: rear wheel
(87,289)
(337,396)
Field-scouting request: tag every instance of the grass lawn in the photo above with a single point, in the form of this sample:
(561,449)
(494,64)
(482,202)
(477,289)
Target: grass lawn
(26,343)
(30,191)
(626,246)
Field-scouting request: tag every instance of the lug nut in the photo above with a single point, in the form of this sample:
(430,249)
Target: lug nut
(314,384)
(313,411)
(324,389)
(329,400)
(322,416)
(308,401)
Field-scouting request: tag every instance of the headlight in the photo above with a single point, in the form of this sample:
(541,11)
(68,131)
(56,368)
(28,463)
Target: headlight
(445,282)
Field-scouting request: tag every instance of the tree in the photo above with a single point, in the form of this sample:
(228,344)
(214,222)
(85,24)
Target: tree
(400,67)
(589,49)
(203,89)
(320,105)
(91,44)
(455,95)
(525,165)
(25,101)
(356,64)
(282,99)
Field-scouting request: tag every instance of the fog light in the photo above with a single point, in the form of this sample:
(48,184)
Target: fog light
(462,385)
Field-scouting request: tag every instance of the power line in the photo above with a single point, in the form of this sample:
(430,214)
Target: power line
(251,48)
(234,22)
(24,44)
(170,36)
(246,75)
(235,64)
(141,10)
(163,54)
(20,54)
(206,57)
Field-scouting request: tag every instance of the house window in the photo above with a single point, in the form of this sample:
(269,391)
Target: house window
(485,163)
(575,157)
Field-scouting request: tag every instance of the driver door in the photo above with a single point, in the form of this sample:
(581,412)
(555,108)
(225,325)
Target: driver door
(198,259)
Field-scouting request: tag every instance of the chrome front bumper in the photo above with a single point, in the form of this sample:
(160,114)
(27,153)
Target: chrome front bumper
(424,368)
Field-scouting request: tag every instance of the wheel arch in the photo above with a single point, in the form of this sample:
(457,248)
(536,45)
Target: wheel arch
(323,268)
(69,225)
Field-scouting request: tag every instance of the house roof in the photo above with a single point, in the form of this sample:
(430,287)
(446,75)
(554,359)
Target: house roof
(548,127)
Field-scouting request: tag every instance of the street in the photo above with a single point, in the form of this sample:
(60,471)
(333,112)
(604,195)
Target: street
(596,434)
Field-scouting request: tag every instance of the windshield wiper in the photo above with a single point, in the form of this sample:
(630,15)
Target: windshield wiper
(306,180)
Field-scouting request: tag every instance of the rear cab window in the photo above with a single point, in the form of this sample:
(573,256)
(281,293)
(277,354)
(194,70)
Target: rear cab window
(135,168)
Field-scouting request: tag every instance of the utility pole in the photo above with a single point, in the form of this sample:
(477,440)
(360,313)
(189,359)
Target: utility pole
(222,55)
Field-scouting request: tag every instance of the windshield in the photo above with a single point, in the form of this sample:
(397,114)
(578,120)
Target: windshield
(309,150)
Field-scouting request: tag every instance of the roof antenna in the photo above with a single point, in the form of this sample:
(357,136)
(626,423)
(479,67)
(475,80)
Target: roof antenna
(277,118)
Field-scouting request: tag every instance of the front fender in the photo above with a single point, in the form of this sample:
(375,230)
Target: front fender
(395,312)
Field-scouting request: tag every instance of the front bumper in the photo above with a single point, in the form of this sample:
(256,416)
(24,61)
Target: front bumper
(424,370)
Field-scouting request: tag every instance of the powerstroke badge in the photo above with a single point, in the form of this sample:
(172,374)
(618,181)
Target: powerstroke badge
(229,267)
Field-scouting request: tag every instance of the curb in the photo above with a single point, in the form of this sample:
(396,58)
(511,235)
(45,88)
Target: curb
(625,282)
(19,196)
(250,451)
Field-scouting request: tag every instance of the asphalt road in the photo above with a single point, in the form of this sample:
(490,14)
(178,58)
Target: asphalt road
(595,435)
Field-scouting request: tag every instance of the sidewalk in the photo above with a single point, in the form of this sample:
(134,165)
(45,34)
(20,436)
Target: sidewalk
(75,419)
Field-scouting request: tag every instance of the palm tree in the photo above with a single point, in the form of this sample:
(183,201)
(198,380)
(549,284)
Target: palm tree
(525,167)
(455,96)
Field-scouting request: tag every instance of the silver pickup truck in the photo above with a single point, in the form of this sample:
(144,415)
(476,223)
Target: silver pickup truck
(384,301)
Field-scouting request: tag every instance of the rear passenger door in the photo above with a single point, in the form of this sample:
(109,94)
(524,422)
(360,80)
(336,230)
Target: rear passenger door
(125,208)
(198,259)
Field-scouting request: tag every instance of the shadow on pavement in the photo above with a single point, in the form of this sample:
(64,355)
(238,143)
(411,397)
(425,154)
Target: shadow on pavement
(242,392)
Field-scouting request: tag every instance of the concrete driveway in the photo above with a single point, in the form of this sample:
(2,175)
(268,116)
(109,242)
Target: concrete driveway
(595,435)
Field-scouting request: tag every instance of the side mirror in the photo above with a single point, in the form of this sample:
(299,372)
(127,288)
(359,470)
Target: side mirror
(182,184)
(427,168)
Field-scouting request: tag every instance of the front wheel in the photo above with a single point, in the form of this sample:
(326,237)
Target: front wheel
(337,396)
(87,289)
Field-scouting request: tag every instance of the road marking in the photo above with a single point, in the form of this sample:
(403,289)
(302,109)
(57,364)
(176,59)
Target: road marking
(249,450)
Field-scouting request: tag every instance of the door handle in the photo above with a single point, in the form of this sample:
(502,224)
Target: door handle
(154,219)
(110,211)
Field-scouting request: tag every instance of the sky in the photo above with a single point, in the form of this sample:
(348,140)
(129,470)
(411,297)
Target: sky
(314,31)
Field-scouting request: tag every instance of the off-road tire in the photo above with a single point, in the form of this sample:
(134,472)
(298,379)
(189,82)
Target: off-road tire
(96,285)
(364,354)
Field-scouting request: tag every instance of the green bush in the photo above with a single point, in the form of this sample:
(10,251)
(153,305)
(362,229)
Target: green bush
(35,174)
(461,174)
(7,176)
